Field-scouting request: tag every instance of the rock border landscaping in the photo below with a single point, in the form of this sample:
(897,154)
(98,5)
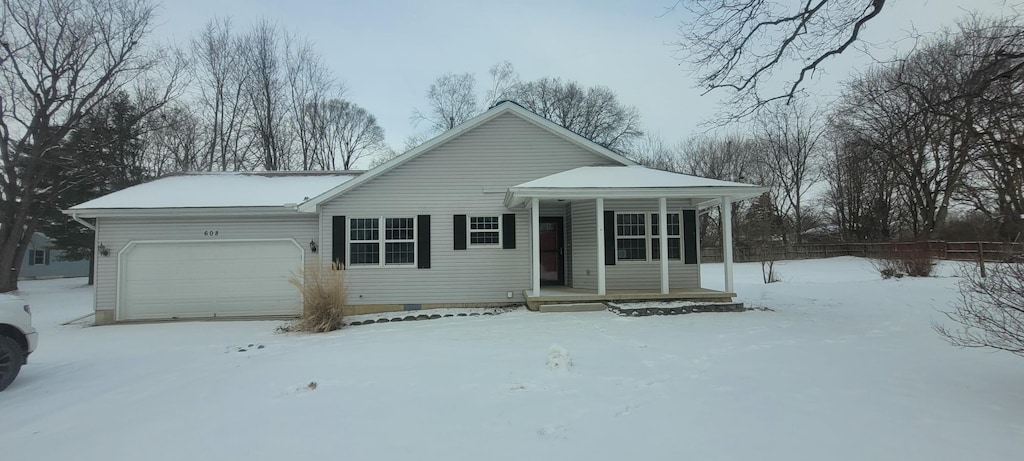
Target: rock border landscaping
(409,316)
(689,308)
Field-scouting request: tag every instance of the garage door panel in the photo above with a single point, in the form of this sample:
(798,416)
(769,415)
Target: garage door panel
(209,279)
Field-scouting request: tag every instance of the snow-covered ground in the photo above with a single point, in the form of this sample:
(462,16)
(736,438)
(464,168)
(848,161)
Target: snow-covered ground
(845,367)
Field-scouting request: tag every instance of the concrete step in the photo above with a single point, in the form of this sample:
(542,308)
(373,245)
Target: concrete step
(573,307)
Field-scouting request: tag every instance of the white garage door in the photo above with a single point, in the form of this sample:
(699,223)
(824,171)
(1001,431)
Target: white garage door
(166,280)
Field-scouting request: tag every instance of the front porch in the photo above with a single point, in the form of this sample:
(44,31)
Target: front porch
(632,233)
(555,295)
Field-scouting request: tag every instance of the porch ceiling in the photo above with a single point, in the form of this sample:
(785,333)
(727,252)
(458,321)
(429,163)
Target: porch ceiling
(593,182)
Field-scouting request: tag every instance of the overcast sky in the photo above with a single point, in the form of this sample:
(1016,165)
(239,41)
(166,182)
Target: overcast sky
(387,53)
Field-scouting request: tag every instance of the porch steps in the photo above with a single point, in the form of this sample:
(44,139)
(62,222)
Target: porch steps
(572,307)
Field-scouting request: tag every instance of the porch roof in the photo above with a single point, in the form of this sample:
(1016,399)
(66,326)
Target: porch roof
(590,182)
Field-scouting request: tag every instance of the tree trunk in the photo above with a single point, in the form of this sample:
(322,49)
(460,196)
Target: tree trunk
(12,253)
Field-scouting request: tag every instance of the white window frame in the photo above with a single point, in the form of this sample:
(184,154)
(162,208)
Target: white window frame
(382,242)
(39,257)
(646,236)
(470,231)
(653,237)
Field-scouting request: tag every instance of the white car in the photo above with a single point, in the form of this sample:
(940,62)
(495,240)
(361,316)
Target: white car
(17,337)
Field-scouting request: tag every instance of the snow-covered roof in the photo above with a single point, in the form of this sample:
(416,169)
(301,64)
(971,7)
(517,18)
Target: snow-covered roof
(632,181)
(221,190)
(624,177)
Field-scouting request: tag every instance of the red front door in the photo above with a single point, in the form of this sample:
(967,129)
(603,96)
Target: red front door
(552,270)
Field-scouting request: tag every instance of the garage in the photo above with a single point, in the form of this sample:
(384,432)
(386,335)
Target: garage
(208,279)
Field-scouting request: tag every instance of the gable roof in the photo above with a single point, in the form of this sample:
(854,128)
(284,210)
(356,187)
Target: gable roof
(633,181)
(499,109)
(197,191)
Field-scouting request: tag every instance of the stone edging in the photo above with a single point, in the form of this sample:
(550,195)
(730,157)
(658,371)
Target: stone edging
(686,309)
(388,317)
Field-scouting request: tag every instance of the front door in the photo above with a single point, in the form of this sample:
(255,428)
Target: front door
(552,252)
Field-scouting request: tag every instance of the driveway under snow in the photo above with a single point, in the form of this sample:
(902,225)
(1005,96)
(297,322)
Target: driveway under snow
(845,367)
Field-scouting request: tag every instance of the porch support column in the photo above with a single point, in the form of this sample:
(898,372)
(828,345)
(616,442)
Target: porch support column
(600,247)
(535,244)
(663,244)
(726,210)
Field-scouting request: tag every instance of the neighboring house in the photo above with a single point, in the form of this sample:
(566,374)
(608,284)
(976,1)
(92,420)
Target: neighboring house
(42,261)
(506,208)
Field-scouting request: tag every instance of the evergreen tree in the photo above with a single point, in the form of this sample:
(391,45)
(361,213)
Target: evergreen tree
(105,154)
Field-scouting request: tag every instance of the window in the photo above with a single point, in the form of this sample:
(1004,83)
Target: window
(368,246)
(39,257)
(365,241)
(484,231)
(675,248)
(630,237)
(399,241)
(633,236)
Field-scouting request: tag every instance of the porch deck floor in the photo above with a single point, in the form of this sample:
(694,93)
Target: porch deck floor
(560,294)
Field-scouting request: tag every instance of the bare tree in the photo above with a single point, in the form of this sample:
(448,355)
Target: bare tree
(789,138)
(651,151)
(938,112)
(343,131)
(730,157)
(503,79)
(170,142)
(594,113)
(60,60)
(356,133)
(309,83)
(452,100)
(995,85)
(861,193)
(990,311)
(736,45)
(267,93)
(221,77)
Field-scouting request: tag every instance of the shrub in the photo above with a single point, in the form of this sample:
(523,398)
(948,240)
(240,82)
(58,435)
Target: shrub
(990,310)
(916,262)
(323,297)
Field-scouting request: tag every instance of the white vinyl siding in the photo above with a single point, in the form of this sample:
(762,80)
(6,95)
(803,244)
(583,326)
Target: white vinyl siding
(466,176)
(115,233)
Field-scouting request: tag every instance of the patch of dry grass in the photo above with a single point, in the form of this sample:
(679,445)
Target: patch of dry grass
(323,297)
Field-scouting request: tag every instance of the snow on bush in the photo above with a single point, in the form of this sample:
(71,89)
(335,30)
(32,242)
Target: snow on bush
(559,359)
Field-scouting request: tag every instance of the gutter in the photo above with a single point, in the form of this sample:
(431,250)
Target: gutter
(83,222)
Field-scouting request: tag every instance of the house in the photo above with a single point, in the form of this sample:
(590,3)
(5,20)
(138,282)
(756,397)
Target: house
(42,261)
(507,207)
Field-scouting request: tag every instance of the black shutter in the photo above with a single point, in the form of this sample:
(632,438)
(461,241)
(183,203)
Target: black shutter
(340,238)
(31,257)
(508,231)
(46,257)
(459,229)
(690,237)
(609,238)
(423,241)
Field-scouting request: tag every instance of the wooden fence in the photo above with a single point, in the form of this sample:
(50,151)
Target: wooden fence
(989,251)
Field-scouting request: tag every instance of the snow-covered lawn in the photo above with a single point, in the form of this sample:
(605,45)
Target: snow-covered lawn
(845,367)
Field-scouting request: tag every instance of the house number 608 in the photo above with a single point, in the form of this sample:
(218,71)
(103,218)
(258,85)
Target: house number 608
(211,233)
